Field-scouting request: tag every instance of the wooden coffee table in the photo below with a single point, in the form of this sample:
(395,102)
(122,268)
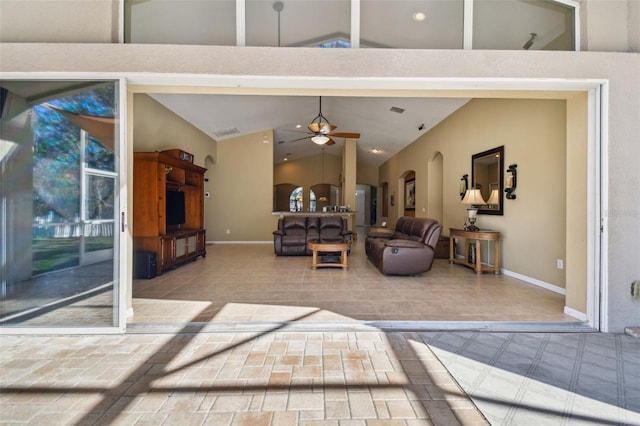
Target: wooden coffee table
(316,248)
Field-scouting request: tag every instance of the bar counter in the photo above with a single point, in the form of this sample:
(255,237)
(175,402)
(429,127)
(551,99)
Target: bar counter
(318,214)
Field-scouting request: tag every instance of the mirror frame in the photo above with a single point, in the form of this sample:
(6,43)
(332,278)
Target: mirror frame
(491,153)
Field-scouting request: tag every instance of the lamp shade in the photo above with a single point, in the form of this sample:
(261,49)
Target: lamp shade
(320,139)
(493,198)
(473,197)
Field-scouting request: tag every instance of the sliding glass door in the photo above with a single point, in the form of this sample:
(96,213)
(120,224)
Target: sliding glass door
(59,161)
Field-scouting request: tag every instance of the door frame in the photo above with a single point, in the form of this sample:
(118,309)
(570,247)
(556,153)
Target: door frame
(131,83)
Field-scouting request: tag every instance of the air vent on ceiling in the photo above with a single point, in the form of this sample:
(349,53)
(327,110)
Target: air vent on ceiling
(226,132)
(397,109)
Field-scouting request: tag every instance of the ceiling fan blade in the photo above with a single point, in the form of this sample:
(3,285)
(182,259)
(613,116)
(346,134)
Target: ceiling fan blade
(330,142)
(324,129)
(345,135)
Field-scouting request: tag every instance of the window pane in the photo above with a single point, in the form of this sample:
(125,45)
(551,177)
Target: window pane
(412,24)
(99,202)
(200,22)
(99,157)
(316,23)
(522,24)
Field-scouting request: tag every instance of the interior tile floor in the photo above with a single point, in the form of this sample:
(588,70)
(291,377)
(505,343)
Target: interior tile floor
(247,282)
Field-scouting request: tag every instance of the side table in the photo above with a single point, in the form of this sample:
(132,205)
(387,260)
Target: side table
(478,237)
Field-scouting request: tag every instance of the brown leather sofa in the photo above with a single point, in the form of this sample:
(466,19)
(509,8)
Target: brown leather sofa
(409,249)
(294,232)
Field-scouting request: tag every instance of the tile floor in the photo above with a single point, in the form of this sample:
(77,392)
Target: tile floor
(244,282)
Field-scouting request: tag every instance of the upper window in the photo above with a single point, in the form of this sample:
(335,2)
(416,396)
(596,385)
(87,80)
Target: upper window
(401,24)
(523,24)
(199,22)
(411,24)
(300,23)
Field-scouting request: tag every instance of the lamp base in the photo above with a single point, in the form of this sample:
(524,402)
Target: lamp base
(471,228)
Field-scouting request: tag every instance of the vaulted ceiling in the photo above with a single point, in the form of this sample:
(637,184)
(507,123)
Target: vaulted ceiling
(385,124)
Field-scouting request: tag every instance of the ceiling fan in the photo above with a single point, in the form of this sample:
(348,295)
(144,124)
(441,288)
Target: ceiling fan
(321,131)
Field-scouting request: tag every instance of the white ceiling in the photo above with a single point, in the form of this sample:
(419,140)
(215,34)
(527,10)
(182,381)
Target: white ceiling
(379,127)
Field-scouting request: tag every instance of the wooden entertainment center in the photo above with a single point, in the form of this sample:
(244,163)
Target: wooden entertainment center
(173,230)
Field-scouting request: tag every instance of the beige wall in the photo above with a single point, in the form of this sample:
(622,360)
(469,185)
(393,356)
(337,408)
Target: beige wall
(307,171)
(241,184)
(533,134)
(155,128)
(366,174)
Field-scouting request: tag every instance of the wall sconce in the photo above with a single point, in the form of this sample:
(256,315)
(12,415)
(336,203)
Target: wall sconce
(464,185)
(512,182)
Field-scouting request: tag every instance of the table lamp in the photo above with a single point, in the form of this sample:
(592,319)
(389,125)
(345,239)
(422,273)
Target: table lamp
(472,198)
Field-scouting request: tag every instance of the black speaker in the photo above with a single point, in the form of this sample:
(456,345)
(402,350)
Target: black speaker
(145,264)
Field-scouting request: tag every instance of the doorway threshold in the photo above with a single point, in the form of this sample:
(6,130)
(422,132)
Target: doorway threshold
(360,326)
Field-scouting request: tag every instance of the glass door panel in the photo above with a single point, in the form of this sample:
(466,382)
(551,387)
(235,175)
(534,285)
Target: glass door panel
(59,208)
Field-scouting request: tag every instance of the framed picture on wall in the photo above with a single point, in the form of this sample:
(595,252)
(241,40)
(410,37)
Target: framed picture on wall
(410,194)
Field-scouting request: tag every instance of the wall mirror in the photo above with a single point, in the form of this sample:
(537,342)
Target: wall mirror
(487,175)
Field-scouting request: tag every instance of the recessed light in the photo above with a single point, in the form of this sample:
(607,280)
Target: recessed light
(298,126)
(375,151)
(419,16)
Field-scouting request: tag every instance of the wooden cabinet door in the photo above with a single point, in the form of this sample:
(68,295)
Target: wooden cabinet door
(192,244)
(181,247)
(167,252)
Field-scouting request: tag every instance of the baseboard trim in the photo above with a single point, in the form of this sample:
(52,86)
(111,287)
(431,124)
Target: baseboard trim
(575,314)
(545,285)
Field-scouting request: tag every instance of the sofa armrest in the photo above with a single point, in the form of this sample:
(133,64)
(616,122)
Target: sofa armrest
(278,232)
(404,244)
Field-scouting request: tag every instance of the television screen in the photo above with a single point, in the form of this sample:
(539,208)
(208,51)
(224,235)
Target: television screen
(175,208)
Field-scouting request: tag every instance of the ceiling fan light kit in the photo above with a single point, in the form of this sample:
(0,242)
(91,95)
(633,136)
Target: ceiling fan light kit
(321,131)
(320,139)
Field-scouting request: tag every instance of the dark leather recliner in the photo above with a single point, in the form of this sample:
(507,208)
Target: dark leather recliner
(409,250)
(295,232)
